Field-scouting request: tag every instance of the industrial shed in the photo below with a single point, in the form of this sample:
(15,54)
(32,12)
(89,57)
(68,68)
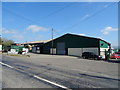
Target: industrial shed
(71,44)
(36,46)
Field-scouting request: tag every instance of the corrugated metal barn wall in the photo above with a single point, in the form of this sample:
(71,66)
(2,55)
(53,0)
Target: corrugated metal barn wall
(73,42)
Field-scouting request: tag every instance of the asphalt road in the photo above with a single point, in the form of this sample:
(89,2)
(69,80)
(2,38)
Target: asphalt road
(54,71)
(15,79)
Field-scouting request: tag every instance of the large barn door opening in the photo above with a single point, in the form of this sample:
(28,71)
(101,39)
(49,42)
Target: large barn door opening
(61,48)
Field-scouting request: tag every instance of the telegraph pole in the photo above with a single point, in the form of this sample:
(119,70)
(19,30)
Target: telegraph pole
(0,40)
(52,40)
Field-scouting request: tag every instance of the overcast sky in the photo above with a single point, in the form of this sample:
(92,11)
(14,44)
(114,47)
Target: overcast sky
(31,21)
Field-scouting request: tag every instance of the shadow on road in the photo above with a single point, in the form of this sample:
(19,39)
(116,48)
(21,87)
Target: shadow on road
(111,61)
(99,77)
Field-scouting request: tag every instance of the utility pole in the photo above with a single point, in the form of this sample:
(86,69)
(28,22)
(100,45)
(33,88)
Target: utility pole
(0,40)
(52,40)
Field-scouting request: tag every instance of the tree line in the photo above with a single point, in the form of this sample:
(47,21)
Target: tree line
(5,42)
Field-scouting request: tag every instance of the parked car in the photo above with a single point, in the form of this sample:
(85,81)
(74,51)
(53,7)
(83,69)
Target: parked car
(115,55)
(88,55)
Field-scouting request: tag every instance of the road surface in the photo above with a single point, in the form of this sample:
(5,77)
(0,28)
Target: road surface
(52,71)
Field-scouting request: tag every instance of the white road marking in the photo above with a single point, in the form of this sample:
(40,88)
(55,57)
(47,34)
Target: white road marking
(45,80)
(6,65)
(50,82)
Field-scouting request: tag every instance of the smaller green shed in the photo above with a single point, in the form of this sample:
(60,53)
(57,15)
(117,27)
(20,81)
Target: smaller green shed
(17,48)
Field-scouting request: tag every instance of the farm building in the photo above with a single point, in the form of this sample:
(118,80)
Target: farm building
(71,44)
(35,46)
(16,49)
(0,48)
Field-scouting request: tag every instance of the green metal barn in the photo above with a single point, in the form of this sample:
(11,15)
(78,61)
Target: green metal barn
(71,44)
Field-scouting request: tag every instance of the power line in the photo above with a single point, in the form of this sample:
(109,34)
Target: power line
(25,18)
(57,11)
(45,17)
(21,16)
(74,25)
(28,19)
(32,21)
(56,31)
